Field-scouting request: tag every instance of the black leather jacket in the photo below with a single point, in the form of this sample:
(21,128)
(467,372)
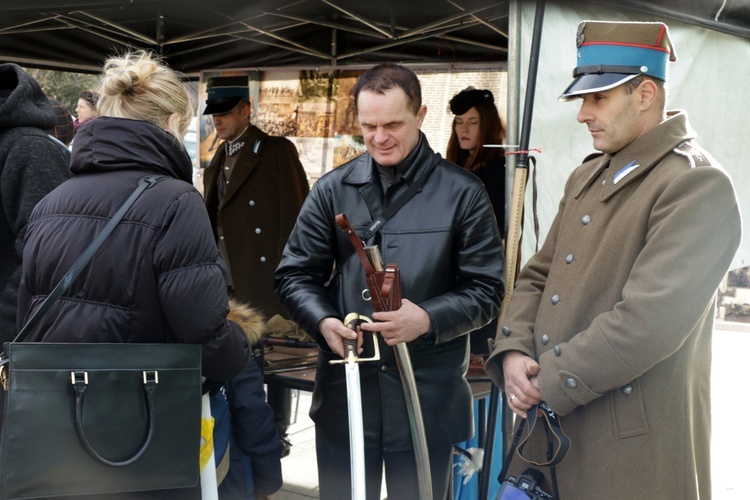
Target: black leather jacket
(446,244)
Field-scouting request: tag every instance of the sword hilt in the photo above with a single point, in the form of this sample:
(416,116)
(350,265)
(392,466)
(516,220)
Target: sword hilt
(352,321)
(350,350)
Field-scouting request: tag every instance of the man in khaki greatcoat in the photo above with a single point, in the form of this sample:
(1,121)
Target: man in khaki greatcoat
(611,321)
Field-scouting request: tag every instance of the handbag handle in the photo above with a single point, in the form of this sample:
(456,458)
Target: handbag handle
(144,184)
(80,380)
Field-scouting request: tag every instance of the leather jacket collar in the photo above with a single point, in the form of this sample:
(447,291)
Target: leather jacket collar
(362,170)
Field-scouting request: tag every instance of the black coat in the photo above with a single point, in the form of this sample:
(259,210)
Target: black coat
(446,244)
(31,165)
(155,279)
(493,177)
(264,196)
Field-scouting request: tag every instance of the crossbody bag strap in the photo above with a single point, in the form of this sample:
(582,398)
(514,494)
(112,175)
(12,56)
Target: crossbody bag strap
(374,226)
(144,184)
(349,231)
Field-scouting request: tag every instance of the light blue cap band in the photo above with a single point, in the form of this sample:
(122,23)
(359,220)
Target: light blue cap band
(655,61)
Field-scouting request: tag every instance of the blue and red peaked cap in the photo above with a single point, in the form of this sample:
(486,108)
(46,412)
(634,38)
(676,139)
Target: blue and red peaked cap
(612,53)
(225,93)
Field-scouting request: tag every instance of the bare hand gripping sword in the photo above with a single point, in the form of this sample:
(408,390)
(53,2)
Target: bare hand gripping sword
(354,397)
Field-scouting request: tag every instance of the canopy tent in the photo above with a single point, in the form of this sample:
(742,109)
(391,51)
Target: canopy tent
(194,35)
(217,34)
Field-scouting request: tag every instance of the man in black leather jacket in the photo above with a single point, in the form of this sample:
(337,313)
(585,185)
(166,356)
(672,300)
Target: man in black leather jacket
(446,243)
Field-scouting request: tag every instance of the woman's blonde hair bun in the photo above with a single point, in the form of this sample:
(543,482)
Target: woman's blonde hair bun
(140,86)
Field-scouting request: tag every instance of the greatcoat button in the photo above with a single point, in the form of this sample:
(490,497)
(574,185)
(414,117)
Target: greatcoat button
(545,339)
(262,259)
(556,350)
(586,219)
(251,203)
(257,230)
(627,389)
(555,299)
(569,258)
(383,368)
(571,383)
(505,330)
(604,181)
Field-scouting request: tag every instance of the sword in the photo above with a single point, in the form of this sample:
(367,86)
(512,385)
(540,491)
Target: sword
(416,422)
(413,407)
(354,397)
(373,263)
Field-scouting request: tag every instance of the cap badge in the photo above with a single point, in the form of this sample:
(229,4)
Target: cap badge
(579,35)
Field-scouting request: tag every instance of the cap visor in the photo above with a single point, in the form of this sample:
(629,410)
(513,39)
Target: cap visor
(586,84)
(220,106)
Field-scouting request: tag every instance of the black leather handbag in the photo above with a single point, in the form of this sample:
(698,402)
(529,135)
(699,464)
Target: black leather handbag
(98,418)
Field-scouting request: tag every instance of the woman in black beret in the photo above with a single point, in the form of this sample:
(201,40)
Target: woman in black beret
(477,123)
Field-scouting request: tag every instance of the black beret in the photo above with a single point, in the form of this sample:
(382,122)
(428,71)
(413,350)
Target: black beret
(469,98)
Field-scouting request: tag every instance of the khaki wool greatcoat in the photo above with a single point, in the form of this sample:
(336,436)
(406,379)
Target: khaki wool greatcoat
(618,309)
(264,195)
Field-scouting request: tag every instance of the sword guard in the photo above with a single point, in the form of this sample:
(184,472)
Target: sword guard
(352,321)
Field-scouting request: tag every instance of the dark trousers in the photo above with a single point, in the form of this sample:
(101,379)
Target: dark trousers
(334,473)
(280,400)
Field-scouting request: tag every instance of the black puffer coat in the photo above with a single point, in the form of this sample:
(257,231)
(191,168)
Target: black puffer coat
(155,279)
(447,246)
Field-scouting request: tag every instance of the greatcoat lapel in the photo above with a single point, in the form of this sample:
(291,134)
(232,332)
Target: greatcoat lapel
(246,163)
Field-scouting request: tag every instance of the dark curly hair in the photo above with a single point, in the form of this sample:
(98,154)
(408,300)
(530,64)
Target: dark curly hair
(91,97)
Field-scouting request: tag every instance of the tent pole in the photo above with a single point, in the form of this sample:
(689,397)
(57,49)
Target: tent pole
(496,399)
(518,164)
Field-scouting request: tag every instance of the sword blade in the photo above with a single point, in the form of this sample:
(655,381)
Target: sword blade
(356,431)
(416,422)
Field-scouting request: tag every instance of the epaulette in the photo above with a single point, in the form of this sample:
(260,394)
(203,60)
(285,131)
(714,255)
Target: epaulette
(592,156)
(694,154)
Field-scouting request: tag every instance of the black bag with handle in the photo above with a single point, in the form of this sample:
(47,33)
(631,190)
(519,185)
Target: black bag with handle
(98,418)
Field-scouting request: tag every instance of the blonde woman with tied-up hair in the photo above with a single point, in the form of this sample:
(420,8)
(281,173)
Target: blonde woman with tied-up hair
(138,87)
(156,277)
